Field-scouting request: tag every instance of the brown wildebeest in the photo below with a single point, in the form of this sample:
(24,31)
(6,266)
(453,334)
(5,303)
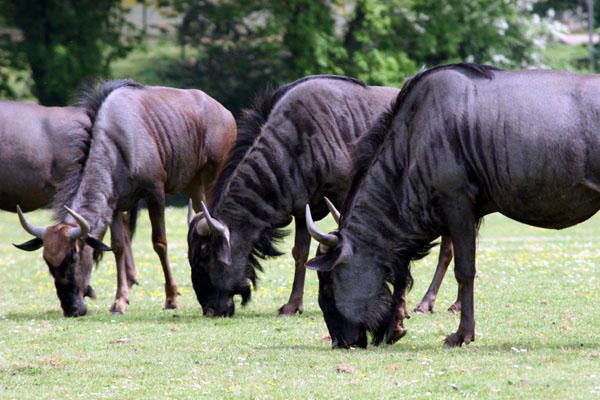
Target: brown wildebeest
(461,141)
(146,142)
(39,147)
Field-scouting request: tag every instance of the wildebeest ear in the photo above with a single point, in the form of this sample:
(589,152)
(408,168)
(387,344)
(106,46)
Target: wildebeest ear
(327,261)
(96,244)
(321,263)
(224,253)
(31,245)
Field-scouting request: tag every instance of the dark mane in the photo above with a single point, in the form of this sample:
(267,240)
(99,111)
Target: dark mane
(90,100)
(251,122)
(249,129)
(92,95)
(263,249)
(368,145)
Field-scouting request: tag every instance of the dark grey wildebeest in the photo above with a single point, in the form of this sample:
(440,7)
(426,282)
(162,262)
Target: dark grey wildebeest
(460,142)
(295,146)
(146,141)
(39,147)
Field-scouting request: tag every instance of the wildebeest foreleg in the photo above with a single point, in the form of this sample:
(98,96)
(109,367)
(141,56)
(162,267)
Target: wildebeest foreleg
(300,254)
(396,330)
(121,246)
(428,301)
(156,210)
(461,224)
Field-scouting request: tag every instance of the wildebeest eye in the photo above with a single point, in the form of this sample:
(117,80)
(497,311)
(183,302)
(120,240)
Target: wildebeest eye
(204,249)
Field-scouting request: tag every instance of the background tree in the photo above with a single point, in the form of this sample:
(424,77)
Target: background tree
(66,41)
(234,49)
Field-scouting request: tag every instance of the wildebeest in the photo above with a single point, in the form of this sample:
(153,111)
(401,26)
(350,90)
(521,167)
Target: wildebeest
(39,147)
(293,148)
(460,142)
(147,141)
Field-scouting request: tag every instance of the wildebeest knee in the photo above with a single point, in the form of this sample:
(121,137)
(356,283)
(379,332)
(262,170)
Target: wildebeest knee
(118,246)
(463,276)
(160,247)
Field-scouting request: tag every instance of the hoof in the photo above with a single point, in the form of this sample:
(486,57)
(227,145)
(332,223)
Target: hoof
(396,335)
(290,309)
(118,307)
(457,339)
(171,303)
(454,308)
(424,307)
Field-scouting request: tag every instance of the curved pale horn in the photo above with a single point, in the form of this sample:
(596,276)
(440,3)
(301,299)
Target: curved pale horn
(36,231)
(334,211)
(191,213)
(326,239)
(213,223)
(84,228)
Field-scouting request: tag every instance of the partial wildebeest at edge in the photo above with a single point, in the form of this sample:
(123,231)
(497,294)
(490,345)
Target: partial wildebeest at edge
(460,142)
(146,141)
(294,147)
(39,146)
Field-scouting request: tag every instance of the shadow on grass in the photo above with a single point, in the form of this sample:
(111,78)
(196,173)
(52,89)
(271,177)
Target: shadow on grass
(399,348)
(191,315)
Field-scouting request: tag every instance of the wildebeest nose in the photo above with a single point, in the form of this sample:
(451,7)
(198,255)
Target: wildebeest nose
(77,311)
(209,312)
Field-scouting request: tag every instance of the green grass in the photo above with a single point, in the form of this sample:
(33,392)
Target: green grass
(151,63)
(537,303)
(573,58)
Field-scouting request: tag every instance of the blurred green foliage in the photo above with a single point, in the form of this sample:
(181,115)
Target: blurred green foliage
(63,42)
(232,49)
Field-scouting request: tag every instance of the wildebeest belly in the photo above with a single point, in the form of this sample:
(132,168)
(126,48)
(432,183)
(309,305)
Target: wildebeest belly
(554,212)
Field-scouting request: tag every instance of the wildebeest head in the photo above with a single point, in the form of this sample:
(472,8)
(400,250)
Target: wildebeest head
(67,257)
(215,274)
(350,309)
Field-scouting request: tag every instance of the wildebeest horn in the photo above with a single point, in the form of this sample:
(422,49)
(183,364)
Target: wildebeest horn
(34,230)
(190,212)
(213,224)
(334,211)
(84,228)
(326,239)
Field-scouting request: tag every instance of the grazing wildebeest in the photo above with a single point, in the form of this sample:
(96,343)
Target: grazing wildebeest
(460,142)
(147,141)
(293,147)
(39,147)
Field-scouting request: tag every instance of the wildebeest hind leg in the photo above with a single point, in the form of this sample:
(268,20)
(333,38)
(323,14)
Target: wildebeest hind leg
(300,253)
(455,308)
(129,263)
(120,246)
(462,226)
(428,301)
(156,209)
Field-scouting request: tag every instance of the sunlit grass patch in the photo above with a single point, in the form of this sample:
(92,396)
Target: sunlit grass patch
(538,327)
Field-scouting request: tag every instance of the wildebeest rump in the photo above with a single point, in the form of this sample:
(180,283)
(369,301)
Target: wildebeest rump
(293,148)
(39,147)
(461,141)
(147,141)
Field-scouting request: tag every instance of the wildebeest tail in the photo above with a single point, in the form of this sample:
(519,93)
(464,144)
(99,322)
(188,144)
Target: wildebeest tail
(133,216)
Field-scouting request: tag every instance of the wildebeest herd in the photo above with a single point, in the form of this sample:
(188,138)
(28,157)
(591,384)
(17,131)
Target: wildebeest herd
(404,167)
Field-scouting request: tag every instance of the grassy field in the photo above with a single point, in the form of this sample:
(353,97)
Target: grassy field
(537,302)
